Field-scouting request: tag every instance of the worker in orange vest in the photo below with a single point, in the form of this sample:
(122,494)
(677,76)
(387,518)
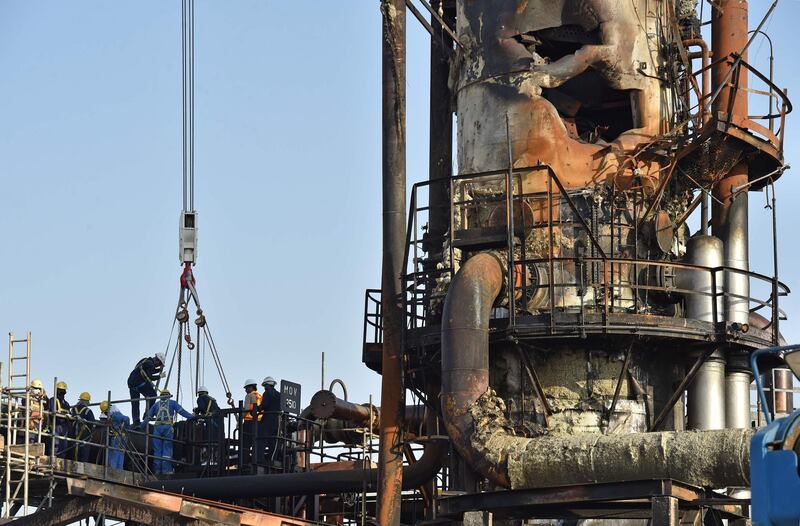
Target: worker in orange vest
(252,403)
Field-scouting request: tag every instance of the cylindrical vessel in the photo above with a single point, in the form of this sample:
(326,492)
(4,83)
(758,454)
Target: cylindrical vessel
(734,232)
(737,399)
(706,287)
(706,395)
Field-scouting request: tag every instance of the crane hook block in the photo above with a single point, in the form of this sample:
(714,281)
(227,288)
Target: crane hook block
(182,316)
(187,237)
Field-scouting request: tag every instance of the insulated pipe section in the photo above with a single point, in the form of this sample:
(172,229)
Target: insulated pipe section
(306,483)
(475,417)
(701,458)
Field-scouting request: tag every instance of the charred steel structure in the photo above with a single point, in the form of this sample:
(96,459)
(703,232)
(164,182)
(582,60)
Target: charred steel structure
(561,315)
(572,309)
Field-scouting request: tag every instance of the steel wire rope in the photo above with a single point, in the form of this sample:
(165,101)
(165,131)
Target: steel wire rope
(183,101)
(191,104)
(217,362)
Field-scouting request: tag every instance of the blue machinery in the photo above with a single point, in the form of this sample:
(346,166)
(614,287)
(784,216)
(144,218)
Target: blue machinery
(774,475)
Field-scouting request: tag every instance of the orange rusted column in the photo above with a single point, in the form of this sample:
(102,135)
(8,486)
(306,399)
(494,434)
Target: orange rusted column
(390,454)
(729,35)
(729,219)
(729,222)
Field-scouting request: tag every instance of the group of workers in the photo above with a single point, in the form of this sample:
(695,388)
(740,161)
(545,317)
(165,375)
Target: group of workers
(74,426)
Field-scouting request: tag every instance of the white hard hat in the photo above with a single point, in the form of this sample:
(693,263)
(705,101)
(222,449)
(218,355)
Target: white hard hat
(161,357)
(202,389)
(269,381)
(250,381)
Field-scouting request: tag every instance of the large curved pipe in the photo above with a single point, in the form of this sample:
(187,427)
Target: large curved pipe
(305,483)
(475,417)
(465,354)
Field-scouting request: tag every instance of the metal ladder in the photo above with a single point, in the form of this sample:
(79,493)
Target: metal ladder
(20,459)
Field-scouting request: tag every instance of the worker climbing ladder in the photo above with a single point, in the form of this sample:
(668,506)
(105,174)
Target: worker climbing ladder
(22,416)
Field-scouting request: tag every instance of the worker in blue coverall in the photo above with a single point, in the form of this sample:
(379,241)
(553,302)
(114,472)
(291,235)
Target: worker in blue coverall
(269,425)
(140,382)
(117,424)
(59,405)
(165,412)
(207,411)
(82,427)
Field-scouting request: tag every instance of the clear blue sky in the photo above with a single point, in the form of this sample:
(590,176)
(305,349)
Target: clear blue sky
(287,166)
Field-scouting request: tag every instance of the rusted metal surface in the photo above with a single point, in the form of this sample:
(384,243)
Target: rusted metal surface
(465,356)
(325,404)
(705,91)
(305,483)
(630,499)
(390,455)
(344,419)
(508,71)
(729,35)
(475,417)
(145,506)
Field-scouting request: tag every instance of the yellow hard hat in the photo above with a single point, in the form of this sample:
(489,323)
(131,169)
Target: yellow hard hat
(85,396)
(61,385)
(37,384)
(104,406)
(165,392)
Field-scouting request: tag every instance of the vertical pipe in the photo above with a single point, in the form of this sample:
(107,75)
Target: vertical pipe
(729,35)
(390,453)
(737,400)
(703,213)
(737,392)
(776,332)
(706,395)
(440,167)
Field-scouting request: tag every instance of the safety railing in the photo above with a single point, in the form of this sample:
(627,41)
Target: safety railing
(559,258)
(769,126)
(373,318)
(781,401)
(203,446)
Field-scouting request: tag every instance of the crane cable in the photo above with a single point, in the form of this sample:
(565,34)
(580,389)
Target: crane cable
(187,51)
(188,293)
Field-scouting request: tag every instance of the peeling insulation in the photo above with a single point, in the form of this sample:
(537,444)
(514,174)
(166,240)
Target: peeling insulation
(702,458)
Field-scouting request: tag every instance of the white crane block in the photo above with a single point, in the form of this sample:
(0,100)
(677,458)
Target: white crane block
(187,237)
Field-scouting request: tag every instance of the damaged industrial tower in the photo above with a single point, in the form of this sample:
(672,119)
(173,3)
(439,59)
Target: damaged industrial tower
(567,312)
(557,307)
